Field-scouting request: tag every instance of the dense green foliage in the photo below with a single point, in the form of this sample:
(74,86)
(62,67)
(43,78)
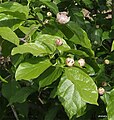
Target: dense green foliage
(56,60)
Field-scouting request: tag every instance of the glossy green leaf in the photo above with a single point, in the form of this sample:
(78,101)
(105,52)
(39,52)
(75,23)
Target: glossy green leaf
(28,71)
(70,98)
(7,34)
(10,21)
(33,48)
(80,37)
(21,95)
(49,76)
(110,106)
(77,52)
(51,5)
(15,9)
(50,42)
(83,83)
(77,16)
(29,30)
(9,89)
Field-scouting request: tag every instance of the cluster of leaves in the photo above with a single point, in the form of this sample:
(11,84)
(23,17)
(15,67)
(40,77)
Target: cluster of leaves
(36,82)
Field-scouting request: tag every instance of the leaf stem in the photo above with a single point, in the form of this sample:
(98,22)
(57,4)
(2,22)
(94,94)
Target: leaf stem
(14,112)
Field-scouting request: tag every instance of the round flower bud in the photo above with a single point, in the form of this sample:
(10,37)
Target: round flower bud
(81,62)
(59,42)
(69,62)
(62,17)
(101,91)
(107,61)
(104,84)
(95,42)
(46,21)
(49,14)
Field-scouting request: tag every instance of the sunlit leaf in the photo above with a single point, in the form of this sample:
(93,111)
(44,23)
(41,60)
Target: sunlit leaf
(7,34)
(28,71)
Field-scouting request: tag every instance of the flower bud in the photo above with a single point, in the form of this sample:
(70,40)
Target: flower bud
(101,91)
(49,14)
(81,62)
(104,84)
(59,42)
(95,42)
(107,61)
(46,21)
(70,62)
(62,17)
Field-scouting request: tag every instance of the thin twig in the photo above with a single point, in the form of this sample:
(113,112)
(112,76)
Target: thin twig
(27,35)
(22,40)
(14,112)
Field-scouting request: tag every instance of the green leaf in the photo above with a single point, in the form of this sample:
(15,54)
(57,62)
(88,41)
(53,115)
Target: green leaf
(29,30)
(78,52)
(52,112)
(80,37)
(83,83)
(28,71)
(110,106)
(3,80)
(9,89)
(15,9)
(33,48)
(49,76)
(21,95)
(51,5)
(70,98)
(50,42)
(10,21)
(88,3)
(7,34)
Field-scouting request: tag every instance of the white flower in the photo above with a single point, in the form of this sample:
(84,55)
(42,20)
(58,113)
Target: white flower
(49,14)
(70,62)
(59,42)
(107,61)
(81,62)
(101,91)
(62,17)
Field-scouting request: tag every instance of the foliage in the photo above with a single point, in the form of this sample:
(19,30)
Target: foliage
(37,81)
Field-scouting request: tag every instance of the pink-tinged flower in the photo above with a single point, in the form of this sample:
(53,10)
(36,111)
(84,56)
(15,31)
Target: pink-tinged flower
(69,62)
(62,17)
(81,62)
(59,42)
(101,91)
